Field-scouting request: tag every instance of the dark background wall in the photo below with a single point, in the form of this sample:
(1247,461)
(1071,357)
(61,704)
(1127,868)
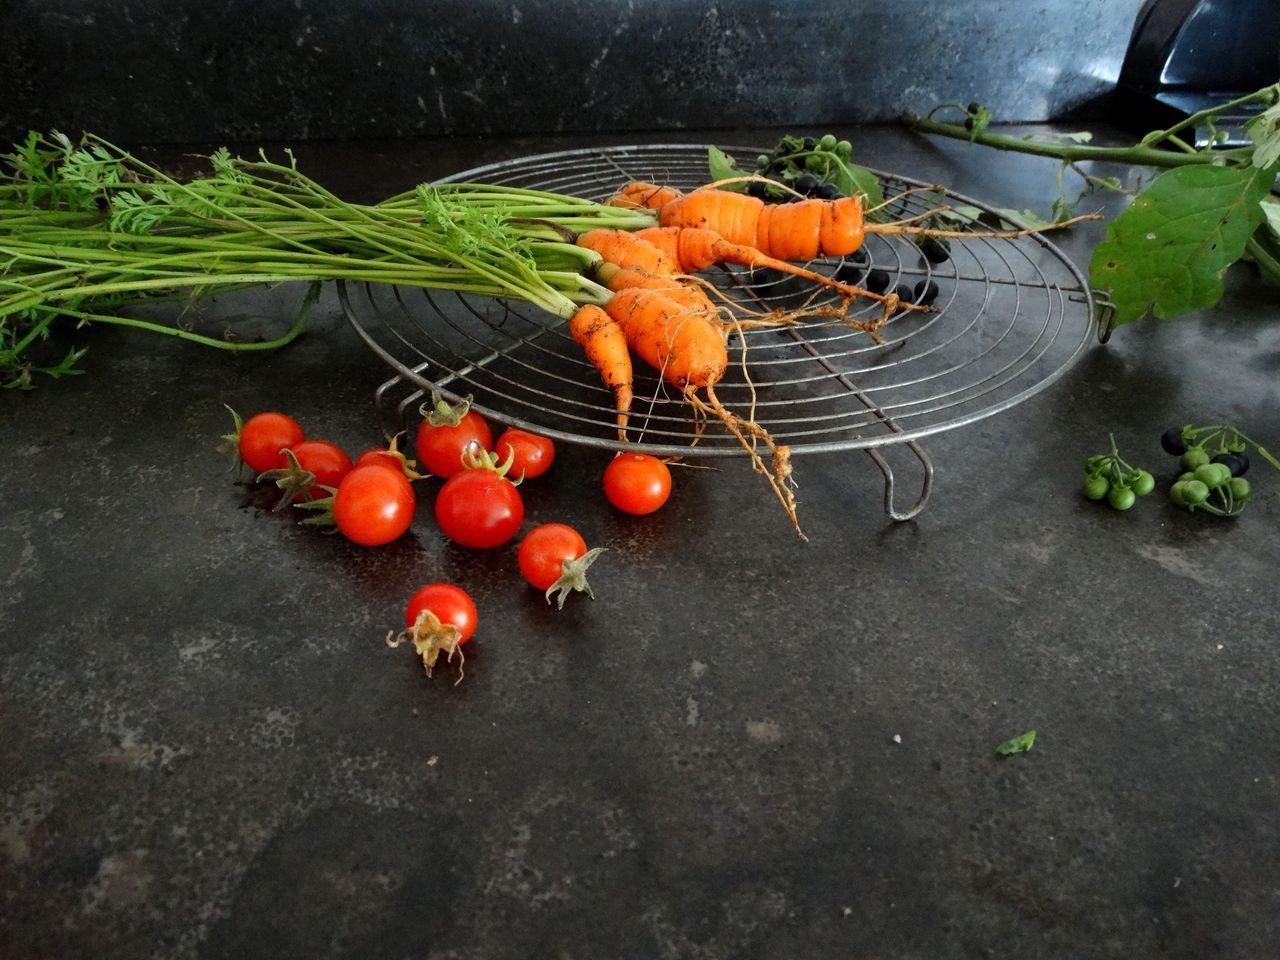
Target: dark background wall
(196,70)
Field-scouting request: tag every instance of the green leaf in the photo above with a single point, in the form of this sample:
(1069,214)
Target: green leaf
(723,167)
(853,180)
(1167,252)
(1018,744)
(1264,131)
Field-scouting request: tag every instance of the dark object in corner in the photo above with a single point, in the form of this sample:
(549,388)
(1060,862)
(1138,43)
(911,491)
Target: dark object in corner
(1189,55)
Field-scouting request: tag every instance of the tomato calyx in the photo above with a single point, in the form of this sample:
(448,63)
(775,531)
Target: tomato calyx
(430,638)
(323,517)
(294,482)
(440,413)
(230,444)
(407,466)
(574,578)
(474,458)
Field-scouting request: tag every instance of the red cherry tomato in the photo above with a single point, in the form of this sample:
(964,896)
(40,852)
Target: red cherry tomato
(637,483)
(533,454)
(373,505)
(326,461)
(450,604)
(544,550)
(382,457)
(264,436)
(440,448)
(478,508)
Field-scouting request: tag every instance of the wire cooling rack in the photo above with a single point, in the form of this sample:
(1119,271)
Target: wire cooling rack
(1012,315)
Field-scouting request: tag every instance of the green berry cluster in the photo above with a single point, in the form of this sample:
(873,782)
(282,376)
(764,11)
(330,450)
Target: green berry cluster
(1214,460)
(1110,477)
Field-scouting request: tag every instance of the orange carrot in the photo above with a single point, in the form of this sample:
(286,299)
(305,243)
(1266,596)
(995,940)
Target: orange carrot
(605,344)
(690,296)
(693,249)
(646,196)
(792,231)
(785,231)
(627,250)
(685,346)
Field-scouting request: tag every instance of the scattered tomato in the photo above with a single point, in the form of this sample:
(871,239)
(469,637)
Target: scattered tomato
(325,461)
(544,550)
(479,508)
(449,604)
(373,505)
(446,433)
(554,558)
(440,618)
(637,483)
(533,455)
(261,440)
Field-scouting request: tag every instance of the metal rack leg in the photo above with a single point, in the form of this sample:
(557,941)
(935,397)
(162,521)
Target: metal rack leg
(914,510)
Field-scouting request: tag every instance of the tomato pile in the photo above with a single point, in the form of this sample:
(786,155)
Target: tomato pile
(477,505)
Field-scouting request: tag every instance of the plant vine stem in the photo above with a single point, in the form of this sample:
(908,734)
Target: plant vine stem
(312,295)
(1266,94)
(1264,261)
(1136,154)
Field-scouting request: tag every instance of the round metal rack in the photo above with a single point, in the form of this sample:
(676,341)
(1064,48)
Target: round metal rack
(1012,315)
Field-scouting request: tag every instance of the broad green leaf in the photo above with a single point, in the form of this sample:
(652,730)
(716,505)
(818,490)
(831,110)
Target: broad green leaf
(852,180)
(1167,252)
(1264,131)
(722,167)
(1018,744)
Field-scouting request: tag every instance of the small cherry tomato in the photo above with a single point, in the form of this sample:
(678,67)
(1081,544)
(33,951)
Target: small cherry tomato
(446,433)
(373,505)
(450,605)
(262,438)
(479,508)
(544,550)
(533,454)
(637,483)
(440,618)
(554,558)
(380,457)
(327,463)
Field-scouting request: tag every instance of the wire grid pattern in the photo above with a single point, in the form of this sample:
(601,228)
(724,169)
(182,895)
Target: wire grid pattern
(1012,315)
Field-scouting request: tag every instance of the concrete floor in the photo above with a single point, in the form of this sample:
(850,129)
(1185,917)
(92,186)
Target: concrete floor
(209,752)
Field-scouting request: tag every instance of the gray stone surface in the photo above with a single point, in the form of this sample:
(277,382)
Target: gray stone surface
(142,71)
(208,752)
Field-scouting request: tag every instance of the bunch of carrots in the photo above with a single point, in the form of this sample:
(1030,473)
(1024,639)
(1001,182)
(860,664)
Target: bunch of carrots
(87,227)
